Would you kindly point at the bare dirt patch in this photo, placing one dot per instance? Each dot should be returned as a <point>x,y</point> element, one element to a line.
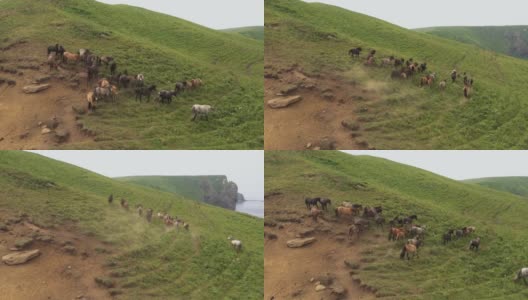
<point>327,100</point>
<point>66,268</point>
<point>21,113</point>
<point>293,273</point>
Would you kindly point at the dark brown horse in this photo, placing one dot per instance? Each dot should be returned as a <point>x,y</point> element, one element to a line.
<point>325,202</point>
<point>311,202</point>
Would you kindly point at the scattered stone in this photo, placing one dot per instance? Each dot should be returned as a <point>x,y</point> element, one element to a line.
<point>65,243</point>
<point>289,89</point>
<point>31,89</point>
<point>297,243</point>
<point>308,86</point>
<point>69,249</point>
<point>327,143</point>
<point>351,125</point>
<point>20,257</point>
<point>23,243</point>
<point>305,232</point>
<point>62,135</point>
<point>45,130</point>
<point>338,289</point>
<point>284,101</point>
<point>41,79</point>
<point>317,148</point>
<point>328,95</point>
<point>270,236</point>
<point>325,279</point>
<point>44,238</point>
<point>105,282</point>
<point>320,287</point>
<point>309,145</point>
<point>52,123</point>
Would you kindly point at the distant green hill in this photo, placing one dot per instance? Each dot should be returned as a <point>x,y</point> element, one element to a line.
<point>254,32</point>
<point>441,272</point>
<point>316,38</point>
<point>509,40</point>
<point>514,185</point>
<point>190,187</point>
<point>156,264</point>
<point>166,50</point>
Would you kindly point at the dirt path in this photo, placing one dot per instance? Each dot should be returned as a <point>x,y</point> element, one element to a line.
<point>55,274</point>
<point>327,101</point>
<point>20,113</point>
<point>288,272</point>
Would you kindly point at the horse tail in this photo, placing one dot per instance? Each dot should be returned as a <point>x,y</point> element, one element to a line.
<point>402,254</point>
<point>336,212</point>
<point>390,235</point>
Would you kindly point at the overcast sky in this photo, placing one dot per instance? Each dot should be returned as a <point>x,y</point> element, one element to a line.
<point>420,13</point>
<point>460,164</point>
<point>246,168</point>
<point>217,14</point>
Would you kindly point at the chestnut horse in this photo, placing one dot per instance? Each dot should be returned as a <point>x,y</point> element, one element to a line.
<point>347,211</point>
<point>409,249</point>
<point>396,233</point>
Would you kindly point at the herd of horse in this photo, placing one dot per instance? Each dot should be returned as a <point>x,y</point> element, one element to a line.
<point>401,227</point>
<point>168,220</point>
<point>107,87</point>
<point>404,69</point>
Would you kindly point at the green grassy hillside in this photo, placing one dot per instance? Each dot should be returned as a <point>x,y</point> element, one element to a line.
<point>514,185</point>
<point>254,32</point>
<point>441,272</point>
<point>317,38</point>
<point>509,40</point>
<point>199,264</point>
<point>164,48</point>
<point>186,186</point>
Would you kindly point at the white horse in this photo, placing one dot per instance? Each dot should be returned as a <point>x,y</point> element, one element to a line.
<point>237,245</point>
<point>201,110</point>
<point>523,273</point>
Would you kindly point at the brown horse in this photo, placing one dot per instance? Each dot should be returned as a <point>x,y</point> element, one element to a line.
<point>467,91</point>
<point>71,57</point>
<point>409,249</point>
<point>124,204</point>
<point>347,211</point>
<point>315,212</point>
<point>104,83</point>
<point>396,233</point>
